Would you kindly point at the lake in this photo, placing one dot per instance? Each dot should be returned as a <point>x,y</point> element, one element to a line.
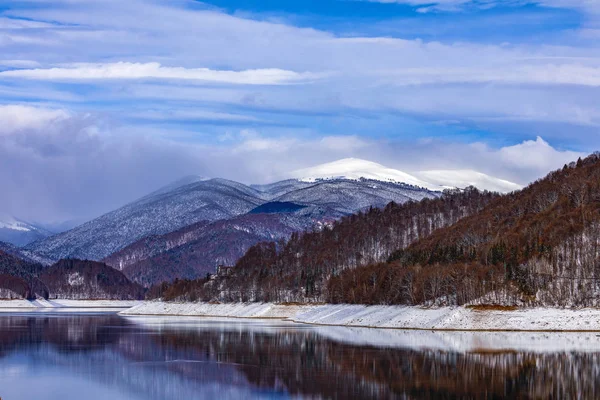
<point>58,356</point>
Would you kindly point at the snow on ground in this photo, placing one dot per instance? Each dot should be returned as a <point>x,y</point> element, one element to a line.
<point>232,310</point>
<point>444,318</point>
<point>15,304</point>
<point>59,304</point>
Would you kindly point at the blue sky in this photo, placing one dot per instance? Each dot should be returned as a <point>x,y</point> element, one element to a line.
<point>102,102</point>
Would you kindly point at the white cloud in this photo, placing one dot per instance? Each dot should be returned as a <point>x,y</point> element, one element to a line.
<point>536,155</point>
<point>126,70</point>
<point>462,81</point>
<point>59,164</point>
<point>343,143</point>
<point>18,118</point>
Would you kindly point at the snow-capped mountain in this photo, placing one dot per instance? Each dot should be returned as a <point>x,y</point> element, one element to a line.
<point>464,178</point>
<point>436,180</point>
<point>18,232</point>
<point>354,169</point>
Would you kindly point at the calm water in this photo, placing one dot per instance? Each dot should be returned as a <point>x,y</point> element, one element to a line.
<point>104,356</point>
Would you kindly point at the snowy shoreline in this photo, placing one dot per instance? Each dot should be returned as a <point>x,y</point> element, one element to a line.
<point>390,317</point>
<point>65,305</point>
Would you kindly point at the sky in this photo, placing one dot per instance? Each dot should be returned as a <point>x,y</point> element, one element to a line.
<point>102,102</point>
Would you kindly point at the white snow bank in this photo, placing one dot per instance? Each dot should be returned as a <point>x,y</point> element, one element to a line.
<point>445,318</point>
<point>231,310</point>
<point>41,304</point>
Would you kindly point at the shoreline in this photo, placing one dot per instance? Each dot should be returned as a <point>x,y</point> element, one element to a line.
<point>9,306</point>
<point>459,319</point>
<point>387,317</point>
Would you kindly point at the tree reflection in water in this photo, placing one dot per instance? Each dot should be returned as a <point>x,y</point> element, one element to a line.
<point>282,359</point>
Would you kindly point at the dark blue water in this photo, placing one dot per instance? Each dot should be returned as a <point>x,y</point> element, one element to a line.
<point>105,356</point>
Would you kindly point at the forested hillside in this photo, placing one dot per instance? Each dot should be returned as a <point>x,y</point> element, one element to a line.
<point>88,280</point>
<point>539,246</point>
<point>299,269</point>
<point>18,278</point>
<point>67,279</point>
<point>196,250</point>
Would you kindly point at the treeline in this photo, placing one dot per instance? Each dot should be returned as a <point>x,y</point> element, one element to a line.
<point>298,270</point>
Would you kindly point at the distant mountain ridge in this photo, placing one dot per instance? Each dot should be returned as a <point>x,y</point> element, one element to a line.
<point>20,233</point>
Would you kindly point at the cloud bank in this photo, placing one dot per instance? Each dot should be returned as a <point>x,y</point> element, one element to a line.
<point>60,165</point>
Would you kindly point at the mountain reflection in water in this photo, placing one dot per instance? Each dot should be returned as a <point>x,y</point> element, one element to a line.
<point>56,356</point>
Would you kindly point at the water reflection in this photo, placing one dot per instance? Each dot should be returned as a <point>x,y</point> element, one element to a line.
<point>153,358</point>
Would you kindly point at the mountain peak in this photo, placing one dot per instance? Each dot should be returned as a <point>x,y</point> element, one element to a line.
<point>356,168</point>
<point>436,180</point>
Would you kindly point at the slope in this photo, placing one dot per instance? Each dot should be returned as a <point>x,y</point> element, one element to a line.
<point>539,246</point>
<point>158,213</point>
<point>466,178</point>
<point>218,243</point>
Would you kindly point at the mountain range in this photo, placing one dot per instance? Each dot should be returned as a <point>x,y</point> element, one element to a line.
<point>539,246</point>
<point>186,229</point>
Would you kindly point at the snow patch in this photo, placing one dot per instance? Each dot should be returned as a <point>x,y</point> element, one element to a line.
<point>75,279</point>
<point>8,222</point>
<point>356,169</point>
